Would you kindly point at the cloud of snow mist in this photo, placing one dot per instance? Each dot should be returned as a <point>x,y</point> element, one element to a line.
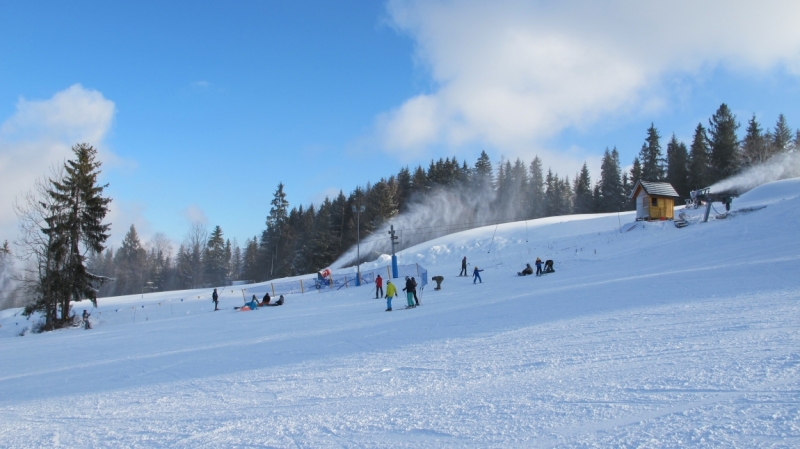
<point>443,212</point>
<point>781,166</point>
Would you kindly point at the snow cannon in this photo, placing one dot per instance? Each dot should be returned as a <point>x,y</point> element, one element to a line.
<point>706,196</point>
<point>324,277</point>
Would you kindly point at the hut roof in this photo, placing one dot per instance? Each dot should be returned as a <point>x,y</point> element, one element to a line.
<point>655,189</point>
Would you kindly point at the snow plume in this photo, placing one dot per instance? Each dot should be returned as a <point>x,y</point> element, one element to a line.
<point>781,166</point>
<point>441,212</point>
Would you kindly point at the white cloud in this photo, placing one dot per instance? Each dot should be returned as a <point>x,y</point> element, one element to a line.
<point>511,74</point>
<point>41,134</point>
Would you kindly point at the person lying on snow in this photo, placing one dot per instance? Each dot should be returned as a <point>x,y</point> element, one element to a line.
<point>528,270</point>
<point>279,302</point>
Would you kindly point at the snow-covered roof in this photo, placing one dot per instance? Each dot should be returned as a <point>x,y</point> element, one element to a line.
<point>655,189</point>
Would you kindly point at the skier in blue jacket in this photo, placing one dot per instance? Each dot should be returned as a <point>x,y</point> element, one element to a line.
<point>476,275</point>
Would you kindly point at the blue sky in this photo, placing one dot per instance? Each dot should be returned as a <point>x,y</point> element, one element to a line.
<point>200,109</point>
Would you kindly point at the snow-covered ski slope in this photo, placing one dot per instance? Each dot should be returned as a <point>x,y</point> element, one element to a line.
<point>649,337</point>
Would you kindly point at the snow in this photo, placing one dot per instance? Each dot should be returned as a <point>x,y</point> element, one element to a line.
<point>648,337</point>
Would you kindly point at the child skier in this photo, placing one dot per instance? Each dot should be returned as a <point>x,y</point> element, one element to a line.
<point>476,275</point>
<point>538,266</point>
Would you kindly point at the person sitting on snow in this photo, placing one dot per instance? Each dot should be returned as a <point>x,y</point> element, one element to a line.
<point>265,300</point>
<point>528,270</point>
<point>253,304</point>
<point>279,302</point>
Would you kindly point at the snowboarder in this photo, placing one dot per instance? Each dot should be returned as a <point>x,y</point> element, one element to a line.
<point>266,299</point>
<point>476,275</point>
<point>548,266</point>
<point>215,298</point>
<point>391,291</point>
<point>463,271</point>
<point>378,287</point>
<point>438,280</point>
<point>86,324</point>
<point>538,266</point>
<point>528,270</point>
<point>409,293</point>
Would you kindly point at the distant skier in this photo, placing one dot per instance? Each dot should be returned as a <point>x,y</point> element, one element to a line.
<point>86,324</point>
<point>378,287</point>
<point>438,280</point>
<point>409,293</point>
<point>391,292</point>
<point>414,289</point>
<point>528,270</point>
<point>476,275</point>
<point>463,267</point>
<point>215,298</point>
<point>538,266</point>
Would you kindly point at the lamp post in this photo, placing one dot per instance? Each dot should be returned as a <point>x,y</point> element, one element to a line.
<point>358,210</point>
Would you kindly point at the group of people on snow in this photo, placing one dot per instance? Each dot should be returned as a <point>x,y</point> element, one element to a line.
<point>548,268</point>
<point>410,289</point>
<point>253,304</point>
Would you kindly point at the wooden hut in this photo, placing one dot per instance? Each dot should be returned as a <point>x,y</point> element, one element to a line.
<point>654,200</point>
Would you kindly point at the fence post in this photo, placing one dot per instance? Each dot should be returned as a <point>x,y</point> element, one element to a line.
<point>302,291</point>
<point>417,269</point>
<point>273,288</point>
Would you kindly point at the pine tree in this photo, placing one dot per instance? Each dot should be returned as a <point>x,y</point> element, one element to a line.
<point>724,144</point>
<point>216,260</point>
<point>678,166</point>
<point>612,195</point>
<point>236,261</point>
<point>130,262</point>
<point>74,229</point>
<point>482,175</point>
<point>536,190</point>
<point>651,157</point>
<point>755,146</point>
<point>781,136</point>
<point>583,203</point>
<point>698,159</point>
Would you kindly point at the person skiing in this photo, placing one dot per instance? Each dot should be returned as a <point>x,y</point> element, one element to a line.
<point>215,298</point>
<point>538,266</point>
<point>86,324</point>
<point>528,270</point>
<point>391,291</point>
<point>378,287</point>
<point>409,294</point>
<point>476,275</point>
<point>463,271</point>
<point>414,289</point>
<point>266,299</point>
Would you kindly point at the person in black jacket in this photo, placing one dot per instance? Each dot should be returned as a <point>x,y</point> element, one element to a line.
<point>414,289</point>
<point>463,267</point>
<point>215,298</point>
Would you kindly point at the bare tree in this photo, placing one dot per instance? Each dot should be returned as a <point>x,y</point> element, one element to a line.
<point>195,242</point>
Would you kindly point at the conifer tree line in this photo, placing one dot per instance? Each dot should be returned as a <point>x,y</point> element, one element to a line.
<point>301,239</point>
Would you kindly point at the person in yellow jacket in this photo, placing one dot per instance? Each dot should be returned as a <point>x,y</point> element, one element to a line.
<point>391,291</point>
